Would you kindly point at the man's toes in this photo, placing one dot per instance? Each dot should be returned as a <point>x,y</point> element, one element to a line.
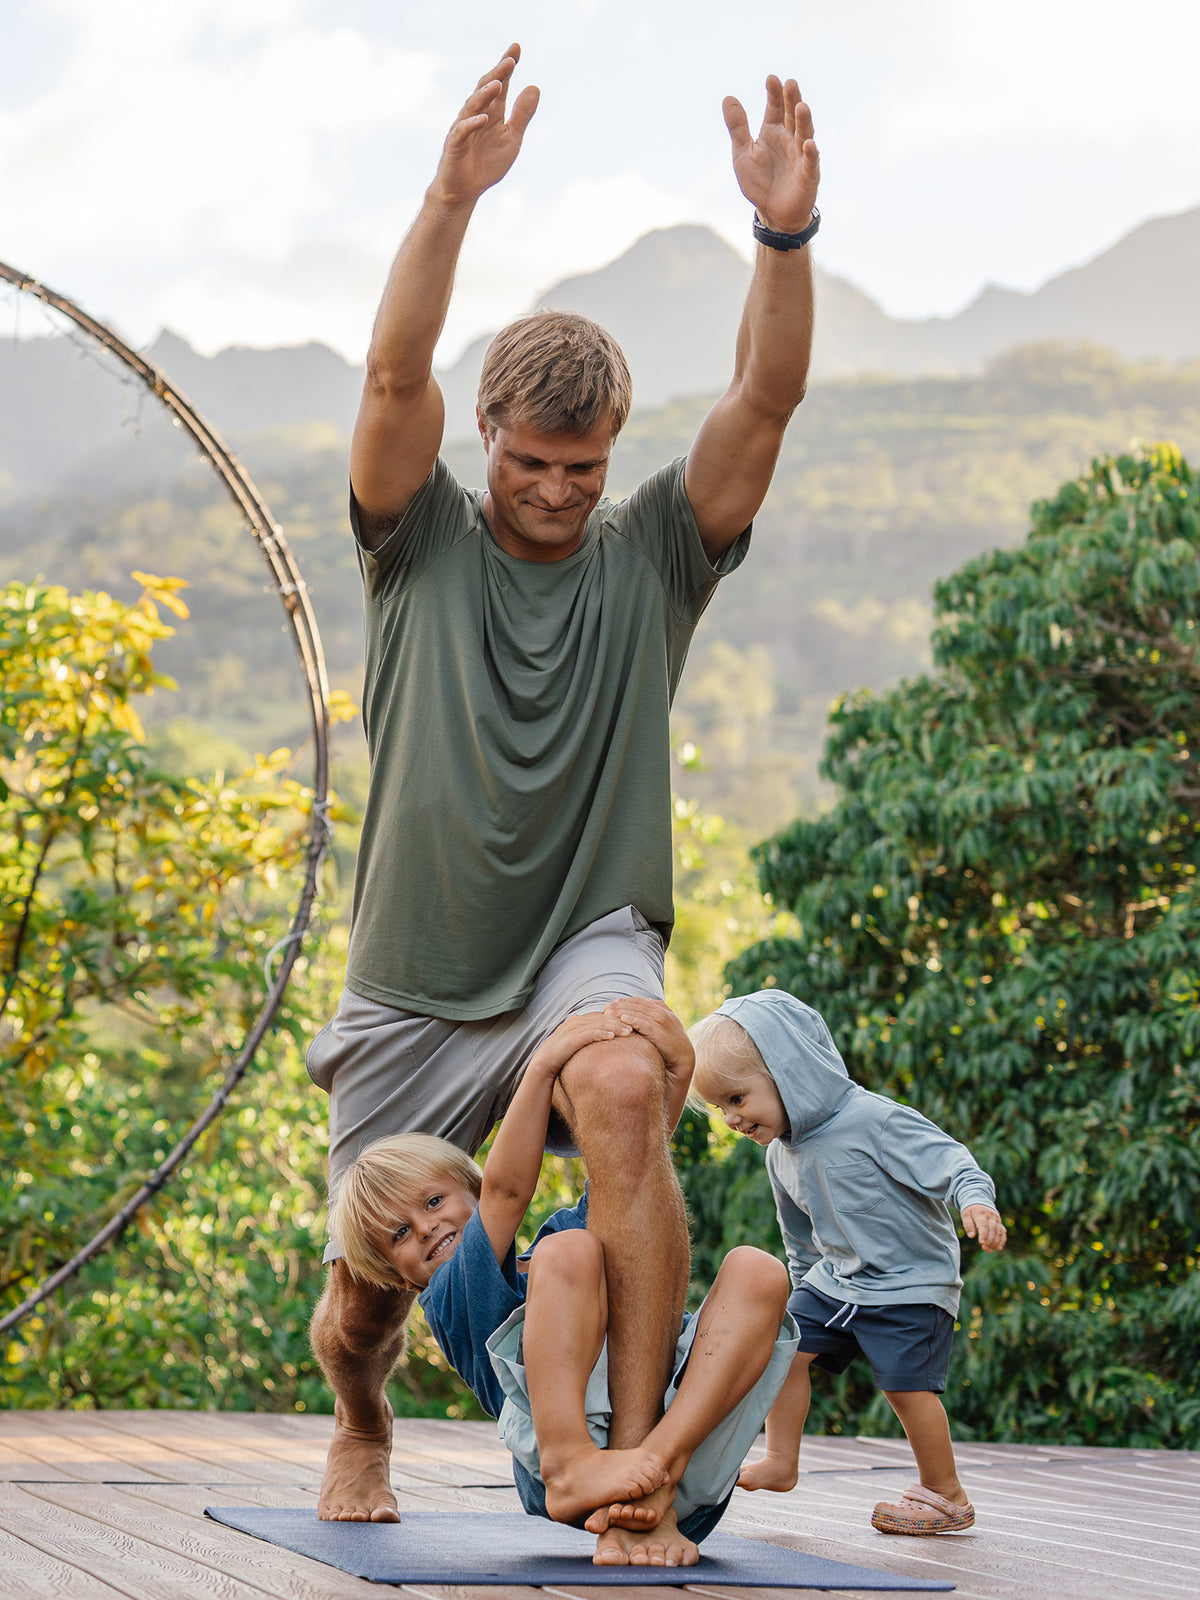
<point>385,1514</point>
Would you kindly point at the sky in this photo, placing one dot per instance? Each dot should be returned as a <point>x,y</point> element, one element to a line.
<point>241,171</point>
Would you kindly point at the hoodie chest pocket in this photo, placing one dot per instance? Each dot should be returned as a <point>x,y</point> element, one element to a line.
<point>855,1186</point>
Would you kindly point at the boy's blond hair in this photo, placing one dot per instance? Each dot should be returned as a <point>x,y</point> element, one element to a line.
<point>388,1174</point>
<point>557,372</point>
<point>725,1054</point>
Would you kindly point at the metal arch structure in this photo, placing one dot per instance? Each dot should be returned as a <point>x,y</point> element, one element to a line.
<point>290,586</point>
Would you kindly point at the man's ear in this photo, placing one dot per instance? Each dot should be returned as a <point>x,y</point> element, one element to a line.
<point>484,431</point>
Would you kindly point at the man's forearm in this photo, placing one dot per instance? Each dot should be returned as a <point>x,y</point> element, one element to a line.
<point>774,345</point>
<point>416,297</point>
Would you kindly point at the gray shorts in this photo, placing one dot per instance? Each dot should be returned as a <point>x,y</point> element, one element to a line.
<point>389,1071</point>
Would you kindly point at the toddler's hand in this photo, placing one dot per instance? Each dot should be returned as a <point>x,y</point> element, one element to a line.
<point>984,1223</point>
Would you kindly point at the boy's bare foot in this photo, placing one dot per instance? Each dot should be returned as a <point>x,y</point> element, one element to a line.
<point>663,1546</point>
<point>579,1481</point>
<point>772,1472</point>
<point>638,1516</point>
<point>356,1486</point>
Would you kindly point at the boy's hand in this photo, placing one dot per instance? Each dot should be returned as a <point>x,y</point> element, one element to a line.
<point>983,1223</point>
<point>658,1023</point>
<point>571,1036</point>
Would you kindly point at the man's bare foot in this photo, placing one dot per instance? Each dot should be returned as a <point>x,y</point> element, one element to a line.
<point>663,1546</point>
<point>772,1472</point>
<point>579,1481</point>
<point>357,1486</point>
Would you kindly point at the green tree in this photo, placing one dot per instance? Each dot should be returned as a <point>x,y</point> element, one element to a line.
<point>1000,920</point>
<point>138,907</point>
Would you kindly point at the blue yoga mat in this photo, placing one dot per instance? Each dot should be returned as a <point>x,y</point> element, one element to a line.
<point>464,1547</point>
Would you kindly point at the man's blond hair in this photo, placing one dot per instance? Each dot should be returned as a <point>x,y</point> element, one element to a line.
<point>389,1174</point>
<point>557,372</point>
<point>725,1056</point>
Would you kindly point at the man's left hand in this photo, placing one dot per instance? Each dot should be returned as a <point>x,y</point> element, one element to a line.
<point>779,171</point>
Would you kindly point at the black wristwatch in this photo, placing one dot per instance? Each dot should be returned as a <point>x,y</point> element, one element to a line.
<point>786,241</point>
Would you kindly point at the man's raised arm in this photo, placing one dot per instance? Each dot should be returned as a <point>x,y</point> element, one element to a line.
<point>731,461</point>
<point>400,418</point>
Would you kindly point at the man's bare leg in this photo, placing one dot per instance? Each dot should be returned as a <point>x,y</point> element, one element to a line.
<point>358,1337</point>
<point>612,1095</point>
<point>565,1320</point>
<point>739,1324</point>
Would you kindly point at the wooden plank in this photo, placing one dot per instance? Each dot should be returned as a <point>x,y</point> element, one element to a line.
<point>211,1545</point>
<point>135,1568</point>
<point>216,1444</point>
<point>68,1442</point>
<point>33,1574</point>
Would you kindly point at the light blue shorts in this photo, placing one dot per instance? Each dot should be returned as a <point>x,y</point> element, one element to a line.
<point>713,1469</point>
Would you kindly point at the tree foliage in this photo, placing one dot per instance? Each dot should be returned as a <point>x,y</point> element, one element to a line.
<point>1000,919</point>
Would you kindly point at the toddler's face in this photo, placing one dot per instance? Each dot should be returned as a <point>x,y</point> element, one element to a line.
<point>752,1106</point>
<point>428,1230</point>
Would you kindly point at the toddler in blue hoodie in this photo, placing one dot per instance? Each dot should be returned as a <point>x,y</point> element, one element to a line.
<point>862,1188</point>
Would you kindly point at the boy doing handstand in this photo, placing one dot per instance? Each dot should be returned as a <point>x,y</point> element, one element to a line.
<point>861,1185</point>
<point>415,1212</point>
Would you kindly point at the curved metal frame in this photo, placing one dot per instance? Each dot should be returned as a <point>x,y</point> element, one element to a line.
<point>292,590</point>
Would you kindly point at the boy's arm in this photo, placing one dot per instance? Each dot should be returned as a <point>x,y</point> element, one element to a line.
<point>984,1223</point>
<point>514,1164</point>
<point>658,1023</point>
<point>795,1227</point>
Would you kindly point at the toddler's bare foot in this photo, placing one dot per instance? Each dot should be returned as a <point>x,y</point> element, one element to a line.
<point>772,1472</point>
<point>663,1546</point>
<point>580,1480</point>
<point>357,1486</point>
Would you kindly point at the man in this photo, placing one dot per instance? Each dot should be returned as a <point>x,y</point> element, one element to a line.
<point>522,649</point>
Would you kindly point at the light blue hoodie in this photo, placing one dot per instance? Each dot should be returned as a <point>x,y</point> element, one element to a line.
<point>861,1182</point>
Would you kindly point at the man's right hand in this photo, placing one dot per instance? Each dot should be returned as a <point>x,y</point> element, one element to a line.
<point>482,145</point>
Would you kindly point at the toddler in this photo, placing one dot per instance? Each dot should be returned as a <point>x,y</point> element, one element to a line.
<point>861,1186</point>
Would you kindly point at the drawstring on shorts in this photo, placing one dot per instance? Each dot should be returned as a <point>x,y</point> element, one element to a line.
<point>843,1316</point>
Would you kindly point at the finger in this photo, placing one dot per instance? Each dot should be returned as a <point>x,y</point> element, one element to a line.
<point>504,67</point>
<point>523,108</point>
<point>791,99</point>
<point>738,124</point>
<point>774,108</point>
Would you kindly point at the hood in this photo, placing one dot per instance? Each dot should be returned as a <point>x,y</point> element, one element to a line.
<point>799,1053</point>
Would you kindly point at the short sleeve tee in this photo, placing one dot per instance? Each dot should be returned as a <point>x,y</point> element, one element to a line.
<point>516,716</point>
<point>472,1294</point>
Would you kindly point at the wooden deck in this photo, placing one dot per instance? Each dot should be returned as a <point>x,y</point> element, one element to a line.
<point>95,1505</point>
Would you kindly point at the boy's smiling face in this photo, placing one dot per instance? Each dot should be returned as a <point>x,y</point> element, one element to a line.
<point>752,1106</point>
<point>428,1230</point>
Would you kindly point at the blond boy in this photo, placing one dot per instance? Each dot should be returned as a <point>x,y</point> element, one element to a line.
<point>415,1212</point>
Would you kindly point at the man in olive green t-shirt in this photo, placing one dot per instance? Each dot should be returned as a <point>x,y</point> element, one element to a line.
<point>523,645</point>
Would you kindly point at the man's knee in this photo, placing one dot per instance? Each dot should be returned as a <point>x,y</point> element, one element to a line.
<point>622,1079</point>
<point>356,1316</point>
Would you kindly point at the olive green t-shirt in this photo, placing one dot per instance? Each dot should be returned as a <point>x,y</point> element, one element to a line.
<point>516,715</point>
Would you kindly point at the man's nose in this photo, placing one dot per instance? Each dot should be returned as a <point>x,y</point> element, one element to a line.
<point>555,489</point>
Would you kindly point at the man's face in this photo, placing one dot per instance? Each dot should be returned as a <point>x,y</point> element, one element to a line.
<point>428,1230</point>
<point>542,487</point>
<point>753,1107</point>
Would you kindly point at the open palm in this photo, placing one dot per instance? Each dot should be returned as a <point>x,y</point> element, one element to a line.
<point>779,171</point>
<point>482,145</point>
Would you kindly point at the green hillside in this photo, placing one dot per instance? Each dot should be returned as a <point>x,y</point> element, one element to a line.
<point>884,485</point>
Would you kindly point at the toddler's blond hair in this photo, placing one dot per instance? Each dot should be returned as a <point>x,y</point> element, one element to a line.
<point>725,1055</point>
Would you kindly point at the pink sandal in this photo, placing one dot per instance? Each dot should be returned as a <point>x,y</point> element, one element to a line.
<point>911,1517</point>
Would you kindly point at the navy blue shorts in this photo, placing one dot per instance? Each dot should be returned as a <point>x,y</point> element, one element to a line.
<point>908,1346</point>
